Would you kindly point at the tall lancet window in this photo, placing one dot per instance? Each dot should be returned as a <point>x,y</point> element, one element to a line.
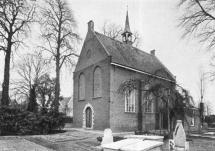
<point>81,87</point>
<point>97,82</point>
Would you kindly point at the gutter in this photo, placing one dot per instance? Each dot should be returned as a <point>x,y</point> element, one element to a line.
<point>139,71</point>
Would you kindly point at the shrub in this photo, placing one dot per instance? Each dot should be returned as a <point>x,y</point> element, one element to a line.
<point>14,121</point>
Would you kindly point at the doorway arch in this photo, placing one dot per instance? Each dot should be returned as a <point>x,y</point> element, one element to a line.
<point>88,116</point>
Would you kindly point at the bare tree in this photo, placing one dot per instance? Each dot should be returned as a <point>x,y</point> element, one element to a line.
<point>45,92</point>
<point>198,20</point>
<point>15,18</point>
<point>30,69</point>
<point>114,31</point>
<point>58,31</point>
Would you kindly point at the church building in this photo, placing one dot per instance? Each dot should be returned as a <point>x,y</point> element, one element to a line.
<point>104,64</point>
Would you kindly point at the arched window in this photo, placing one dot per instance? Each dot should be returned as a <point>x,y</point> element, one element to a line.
<point>149,104</point>
<point>97,82</point>
<point>81,87</point>
<point>130,101</point>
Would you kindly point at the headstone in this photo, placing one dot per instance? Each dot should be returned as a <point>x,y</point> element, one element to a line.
<point>179,135</point>
<point>108,137</point>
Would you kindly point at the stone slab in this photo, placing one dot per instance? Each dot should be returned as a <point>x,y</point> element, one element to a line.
<point>146,145</point>
<point>117,145</point>
<point>145,137</point>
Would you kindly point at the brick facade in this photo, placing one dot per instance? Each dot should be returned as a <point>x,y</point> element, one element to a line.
<point>108,111</point>
<point>91,57</point>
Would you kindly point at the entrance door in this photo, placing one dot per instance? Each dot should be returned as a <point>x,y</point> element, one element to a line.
<point>88,117</point>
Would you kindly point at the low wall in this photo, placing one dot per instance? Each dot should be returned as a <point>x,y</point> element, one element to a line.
<point>202,143</point>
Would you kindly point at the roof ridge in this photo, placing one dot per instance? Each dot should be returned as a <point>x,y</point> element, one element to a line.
<point>124,44</point>
<point>131,56</point>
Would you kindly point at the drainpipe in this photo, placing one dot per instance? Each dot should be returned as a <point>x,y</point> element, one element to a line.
<point>140,113</point>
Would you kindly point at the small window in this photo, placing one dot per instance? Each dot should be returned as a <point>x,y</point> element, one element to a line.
<point>149,104</point>
<point>130,101</point>
<point>81,87</point>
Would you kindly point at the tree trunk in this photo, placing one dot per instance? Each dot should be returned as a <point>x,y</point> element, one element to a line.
<point>5,87</point>
<point>57,84</point>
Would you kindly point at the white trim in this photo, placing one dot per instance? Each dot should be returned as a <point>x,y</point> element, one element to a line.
<point>102,44</point>
<point>146,73</point>
<point>84,116</point>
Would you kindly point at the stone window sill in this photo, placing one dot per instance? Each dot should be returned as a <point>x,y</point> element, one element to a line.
<point>98,97</point>
<point>130,112</point>
<point>81,100</point>
<point>149,112</point>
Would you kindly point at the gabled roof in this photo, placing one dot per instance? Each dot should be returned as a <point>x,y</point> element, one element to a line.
<point>129,56</point>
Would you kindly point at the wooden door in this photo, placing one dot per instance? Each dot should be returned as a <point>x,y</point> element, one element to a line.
<point>88,117</point>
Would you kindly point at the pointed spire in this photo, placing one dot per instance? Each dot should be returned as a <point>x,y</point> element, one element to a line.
<point>127,34</point>
<point>127,26</point>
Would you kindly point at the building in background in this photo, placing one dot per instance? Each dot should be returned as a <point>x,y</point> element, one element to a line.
<point>66,106</point>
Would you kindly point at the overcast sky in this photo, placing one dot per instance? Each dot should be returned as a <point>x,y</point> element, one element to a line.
<point>156,21</point>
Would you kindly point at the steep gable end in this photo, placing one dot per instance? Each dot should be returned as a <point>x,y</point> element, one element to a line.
<point>92,51</point>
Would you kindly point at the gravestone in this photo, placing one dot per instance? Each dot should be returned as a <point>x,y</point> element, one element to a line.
<point>108,137</point>
<point>179,138</point>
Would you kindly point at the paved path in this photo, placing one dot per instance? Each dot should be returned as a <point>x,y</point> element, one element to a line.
<point>72,140</point>
<point>19,144</point>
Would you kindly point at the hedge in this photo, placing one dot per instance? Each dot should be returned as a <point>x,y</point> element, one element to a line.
<point>14,121</point>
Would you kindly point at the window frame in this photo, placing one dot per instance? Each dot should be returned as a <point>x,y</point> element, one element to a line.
<point>130,101</point>
<point>100,84</point>
<point>149,101</point>
<point>83,87</point>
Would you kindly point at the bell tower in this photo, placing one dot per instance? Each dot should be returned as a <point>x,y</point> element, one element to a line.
<point>127,34</point>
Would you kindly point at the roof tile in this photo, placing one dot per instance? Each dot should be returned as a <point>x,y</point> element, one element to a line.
<point>127,55</point>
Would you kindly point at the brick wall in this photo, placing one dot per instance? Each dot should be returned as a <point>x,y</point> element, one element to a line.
<point>101,104</point>
<point>149,121</point>
<point>92,55</point>
<point>119,120</point>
